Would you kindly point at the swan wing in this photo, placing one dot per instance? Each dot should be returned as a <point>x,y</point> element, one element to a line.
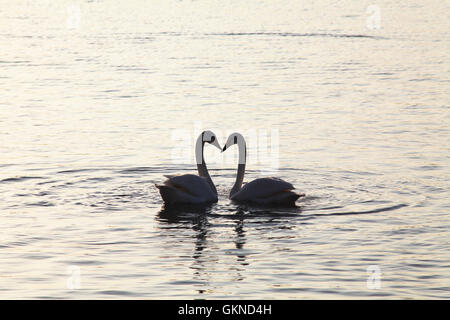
<point>283,198</point>
<point>186,188</point>
<point>190,183</point>
<point>262,188</point>
<point>172,195</point>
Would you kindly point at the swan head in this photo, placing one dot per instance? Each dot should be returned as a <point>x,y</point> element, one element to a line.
<point>210,137</point>
<point>234,138</point>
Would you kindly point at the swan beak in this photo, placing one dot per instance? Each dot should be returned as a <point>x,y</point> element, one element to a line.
<point>224,148</point>
<point>216,144</point>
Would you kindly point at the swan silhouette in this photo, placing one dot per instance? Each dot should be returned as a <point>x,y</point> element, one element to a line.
<point>262,191</point>
<point>190,188</point>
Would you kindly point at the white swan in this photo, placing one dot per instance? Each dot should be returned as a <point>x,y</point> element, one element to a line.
<point>262,191</point>
<point>190,188</point>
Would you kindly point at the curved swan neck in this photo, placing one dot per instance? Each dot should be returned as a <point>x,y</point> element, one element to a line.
<point>201,165</point>
<point>241,166</point>
<point>239,179</point>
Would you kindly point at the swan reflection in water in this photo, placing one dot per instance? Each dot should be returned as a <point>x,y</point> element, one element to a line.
<point>207,249</point>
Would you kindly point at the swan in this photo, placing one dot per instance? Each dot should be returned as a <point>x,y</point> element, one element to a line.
<point>190,188</point>
<point>262,191</point>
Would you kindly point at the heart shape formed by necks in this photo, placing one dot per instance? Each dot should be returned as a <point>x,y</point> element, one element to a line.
<point>193,189</point>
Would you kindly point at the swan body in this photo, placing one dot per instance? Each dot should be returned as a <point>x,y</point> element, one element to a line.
<point>266,191</point>
<point>190,188</point>
<point>262,191</point>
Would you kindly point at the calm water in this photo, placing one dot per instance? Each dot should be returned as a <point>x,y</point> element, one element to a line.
<point>100,99</point>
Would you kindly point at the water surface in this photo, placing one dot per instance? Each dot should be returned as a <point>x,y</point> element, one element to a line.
<point>100,99</point>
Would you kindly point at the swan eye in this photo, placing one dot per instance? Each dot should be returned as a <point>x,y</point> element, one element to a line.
<point>212,139</point>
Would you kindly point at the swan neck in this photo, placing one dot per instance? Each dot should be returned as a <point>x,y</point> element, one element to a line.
<point>201,165</point>
<point>199,150</point>
<point>241,166</point>
<point>239,179</point>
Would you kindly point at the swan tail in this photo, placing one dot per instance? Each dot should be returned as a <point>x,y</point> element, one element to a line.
<point>287,198</point>
<point>168,194</point>
<point>300,194</point>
